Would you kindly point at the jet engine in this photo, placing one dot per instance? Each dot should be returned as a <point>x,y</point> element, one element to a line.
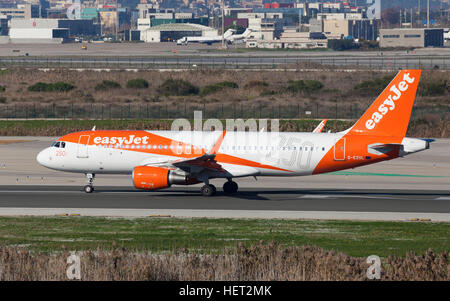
<point>152,178</point>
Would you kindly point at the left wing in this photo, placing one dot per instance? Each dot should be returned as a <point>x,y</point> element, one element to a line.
<point>204,162</point>
<point>198,164</point>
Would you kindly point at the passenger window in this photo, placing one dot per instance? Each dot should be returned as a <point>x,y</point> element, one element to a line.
<point>63,145</point>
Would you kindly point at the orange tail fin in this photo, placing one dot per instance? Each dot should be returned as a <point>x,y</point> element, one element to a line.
<point>389,114</point>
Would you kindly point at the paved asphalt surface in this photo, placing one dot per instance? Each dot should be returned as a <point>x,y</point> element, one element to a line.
<point>247,199</point>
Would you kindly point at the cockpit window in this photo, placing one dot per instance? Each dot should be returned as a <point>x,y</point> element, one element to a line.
<point>58,144</point>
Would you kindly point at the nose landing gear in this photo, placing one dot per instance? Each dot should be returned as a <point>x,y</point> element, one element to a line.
<point>89,188</point>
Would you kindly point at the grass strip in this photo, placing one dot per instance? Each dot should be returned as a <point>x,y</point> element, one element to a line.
<point>204,235</point>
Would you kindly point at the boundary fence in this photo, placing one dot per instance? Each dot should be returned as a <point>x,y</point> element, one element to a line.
<point>185,110</point>
<point>380,62</point>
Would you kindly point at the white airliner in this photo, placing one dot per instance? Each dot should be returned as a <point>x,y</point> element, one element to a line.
<point>159,159</point>
<point>206,39</point>
<point>240,37</point>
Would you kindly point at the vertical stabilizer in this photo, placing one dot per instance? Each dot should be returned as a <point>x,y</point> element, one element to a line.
<point>390,113</point>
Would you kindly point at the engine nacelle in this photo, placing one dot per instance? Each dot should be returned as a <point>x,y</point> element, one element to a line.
<point>152,178</point>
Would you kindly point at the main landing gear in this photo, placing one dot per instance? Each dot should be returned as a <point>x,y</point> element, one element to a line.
<point>89,188</point>
<point>229,187</point>
<point>208,190</point>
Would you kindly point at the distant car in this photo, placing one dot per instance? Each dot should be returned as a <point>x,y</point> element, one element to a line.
<point>84,47</point>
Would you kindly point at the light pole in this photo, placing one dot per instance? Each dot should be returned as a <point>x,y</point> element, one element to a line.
<point>117,21</point>
<point>223,24</point>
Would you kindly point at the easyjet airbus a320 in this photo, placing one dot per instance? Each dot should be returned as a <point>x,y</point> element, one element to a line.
<point>159,159</point>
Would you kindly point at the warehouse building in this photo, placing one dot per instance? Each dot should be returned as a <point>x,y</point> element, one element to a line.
<point>37,31</point>
<point>412,37</point>
<point>357,29</point>
<point>174,31</point>
<point>50,30</point>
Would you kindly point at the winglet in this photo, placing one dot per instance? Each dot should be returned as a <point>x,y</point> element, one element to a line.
<point>320,127</point>
<point>217,145</point>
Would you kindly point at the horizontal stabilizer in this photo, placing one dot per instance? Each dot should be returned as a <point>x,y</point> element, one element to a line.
<point>384,148</point>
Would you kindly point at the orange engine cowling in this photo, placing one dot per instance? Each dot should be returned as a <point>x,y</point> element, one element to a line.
<point>152,178</point>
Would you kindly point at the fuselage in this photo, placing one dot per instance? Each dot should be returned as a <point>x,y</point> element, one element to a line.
<point>158,159</point>
<point>240,153</point>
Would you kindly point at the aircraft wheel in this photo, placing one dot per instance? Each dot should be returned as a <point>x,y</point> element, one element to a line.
<point>88,188</point>
<point>208,190</point>
<point>230,187</point>
<point>214,188</point>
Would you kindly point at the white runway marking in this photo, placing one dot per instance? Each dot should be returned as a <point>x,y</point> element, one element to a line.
<point>314,196</point>
<point>319,196</point>
<point>66,191</point>
<point>368,196</point>
<point>446,198</point>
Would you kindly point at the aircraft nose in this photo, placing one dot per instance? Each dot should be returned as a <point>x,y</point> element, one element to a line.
<point>41,158</point>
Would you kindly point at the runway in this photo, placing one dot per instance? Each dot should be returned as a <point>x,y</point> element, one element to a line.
<point>249,203</point>
<point>417,186</point>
